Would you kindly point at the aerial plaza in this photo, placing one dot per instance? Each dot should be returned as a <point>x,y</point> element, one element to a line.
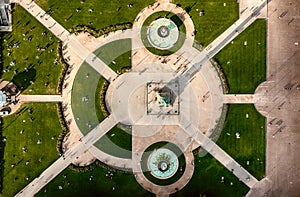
<point>172,101</point>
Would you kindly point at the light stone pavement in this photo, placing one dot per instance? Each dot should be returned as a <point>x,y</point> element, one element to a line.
<point>221,41</point>
<point>279,100</point>
<point>218,153</point>
<point>83,52</point>
<point>239,98</point>
<point>66,37</point>
<point>39,98</point>
<point>248,4</point>
<point>59,165</point>
<point>75,61</point>
<point>138,48</point>
<point>173,134</point>
<point>75,134</point>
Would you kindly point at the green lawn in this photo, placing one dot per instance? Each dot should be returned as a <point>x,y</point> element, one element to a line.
<point>116,142</point>
<point>80,185</point>
<point>104,14</point>
<point>85,88</point>
<point>87,82</point>
<point>245,66</point>
<point>251,145</point>
<point>206,180</point>
<point>44,126</point>
<point>217,17</point>
<point>30,64</point>
<point>116,54</point>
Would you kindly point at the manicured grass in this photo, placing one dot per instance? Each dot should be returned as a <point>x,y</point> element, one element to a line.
<point>39,64</point>
<point>206,180</point>
<point>176,20</point>
<point>217,17</point>
<point>245,65</point>
<point>80,185</point>
<point>85,87</point>
<point>251,145</point>
<point>105,13</point>
<point>116,54</point>
<point>116,142</point>
<point>44,126</point>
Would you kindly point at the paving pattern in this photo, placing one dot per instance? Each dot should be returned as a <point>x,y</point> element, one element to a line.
<point>279,100</point>
<point>186,65</point>
<point>66,159</point>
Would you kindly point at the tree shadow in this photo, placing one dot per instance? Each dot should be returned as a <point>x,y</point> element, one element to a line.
<point>188,9</point>
<point>24,79</point>
<point>177,20</point>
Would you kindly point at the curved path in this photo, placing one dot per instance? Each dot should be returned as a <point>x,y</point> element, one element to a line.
<point>185,71</point>
<point>173,134</point>
<point>62,34</point>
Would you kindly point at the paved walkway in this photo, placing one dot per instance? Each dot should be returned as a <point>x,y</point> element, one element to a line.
<point>249,16</point>
<point>279,100</point>
<point>39,98</point>
<point>62,34</point>
<point>59,165</point>
<point>170,133</point>
<point>187,69</point>
<point>248,4</point>
<point>218,153</point>
<point>109,159</point>
<point>139,50</point>
<point>239,98</point>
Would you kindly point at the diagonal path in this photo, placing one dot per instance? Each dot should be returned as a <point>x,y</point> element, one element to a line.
<point>218,153</point>
<point>66,159</point>
<point>198,60</point>
<point>220,42</point>
<point>87,141</point>
<point>61,33</point>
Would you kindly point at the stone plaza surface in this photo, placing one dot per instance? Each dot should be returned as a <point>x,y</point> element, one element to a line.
<point>196,106</point>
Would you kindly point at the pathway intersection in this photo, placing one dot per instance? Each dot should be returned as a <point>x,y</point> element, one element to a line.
<point>200,96</point>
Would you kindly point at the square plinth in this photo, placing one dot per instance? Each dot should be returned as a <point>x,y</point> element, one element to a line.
<point>163,98</point>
